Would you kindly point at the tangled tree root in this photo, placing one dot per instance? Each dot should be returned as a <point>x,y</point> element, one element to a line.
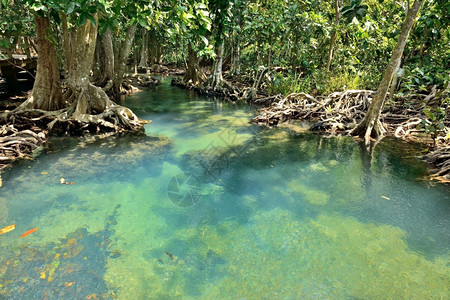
<point>226,90</point>
<point>340,112</point>
<point>440,159</point>
<point>16,143</point>
<point>336,112</point>
<point>114,118</point>
<point>22,131</point>
<point>134,82</point>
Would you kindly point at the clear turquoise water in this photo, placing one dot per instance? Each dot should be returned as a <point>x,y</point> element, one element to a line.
<point>208,206</point>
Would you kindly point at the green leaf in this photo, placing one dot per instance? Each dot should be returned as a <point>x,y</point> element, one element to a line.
<point>205,40</point>
<point>92,9</point>
<point>70,8</point>
<point>81,19</point>
<point>91,18</point>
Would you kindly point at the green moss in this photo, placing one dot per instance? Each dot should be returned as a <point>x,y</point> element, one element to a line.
<point>329,257</point>
<point>309,194</point>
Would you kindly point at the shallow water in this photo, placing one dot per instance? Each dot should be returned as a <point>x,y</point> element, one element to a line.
<point>208,206</point>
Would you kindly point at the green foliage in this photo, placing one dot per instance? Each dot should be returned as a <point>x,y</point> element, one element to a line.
<point>354,10</point>
<point>435,117</point>
<point>320,82</point>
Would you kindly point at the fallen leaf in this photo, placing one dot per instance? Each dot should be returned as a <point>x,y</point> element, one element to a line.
<point>42,275</point>
<point>7,229</point>
<point>384,197</point>
<point>44,173</point>
<point>69,284</point>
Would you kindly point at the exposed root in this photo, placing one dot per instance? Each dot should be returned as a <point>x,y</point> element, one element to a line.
<point>340,112</point>
<point>335,112</point>
<point>133,82</point>
<point>226,90</point>
<point>15,143</point>
<point>440,159</point>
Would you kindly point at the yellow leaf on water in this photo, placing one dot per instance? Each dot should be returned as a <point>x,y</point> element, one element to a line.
<point>384,197</point>
<point>44,173</point>
<point>42,275</point>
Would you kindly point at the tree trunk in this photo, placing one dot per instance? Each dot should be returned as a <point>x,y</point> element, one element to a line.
<point>236,51</point>
<point>236,58</point>
<point>144,50</point>
<point>97,69</point>
<point>217,78</point>
<point>193,72</point>
<point>152,53</point>
<point>371,126</point>
<point>85,97</point>
<point>394,81</point>
<point>122,51</point>
<point>105,61</point>
<point>46,94</point>
<point>337,19</point>
<point>89,107</point>
<point>108,54</point>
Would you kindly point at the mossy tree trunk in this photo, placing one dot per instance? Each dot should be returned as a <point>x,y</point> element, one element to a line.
<point>46,94</point>
<point>89,103</point>
<point>114,60</point>
<point>370,126</point>
<point>194,73</point>
<point>122,50</point>
<point>217,77</point>
<point>85,97</point>
<point>105,60</point>
<point>144,49</point>
<point>84,106</point>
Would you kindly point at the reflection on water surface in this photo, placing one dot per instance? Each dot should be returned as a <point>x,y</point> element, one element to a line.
<point>208,206</point>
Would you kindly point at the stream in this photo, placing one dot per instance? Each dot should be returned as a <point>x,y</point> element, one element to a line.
<point>206,205</point>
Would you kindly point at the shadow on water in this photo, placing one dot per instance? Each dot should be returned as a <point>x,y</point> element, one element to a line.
<point>72,268</point>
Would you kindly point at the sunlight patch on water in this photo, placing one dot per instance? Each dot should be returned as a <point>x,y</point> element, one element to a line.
<point>278,256</point>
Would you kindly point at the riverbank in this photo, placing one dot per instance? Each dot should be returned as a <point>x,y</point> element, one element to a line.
<point>21,136</point>
<point>338,113</point>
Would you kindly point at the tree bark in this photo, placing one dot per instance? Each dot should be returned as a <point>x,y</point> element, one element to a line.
<point>337,9</point>
<point>109,54</point>
<point>144,49</point>
<point>106,60</point>
<point>86,98</point>
<point>236,45</point>
<point>236,58</point>
<point>193,71</point>
<point>46,94</point>
<point>394,81</point>
<point>121,53</point>
<point>217,78</point>
<point>371,126</point>
<point>87,107</point>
